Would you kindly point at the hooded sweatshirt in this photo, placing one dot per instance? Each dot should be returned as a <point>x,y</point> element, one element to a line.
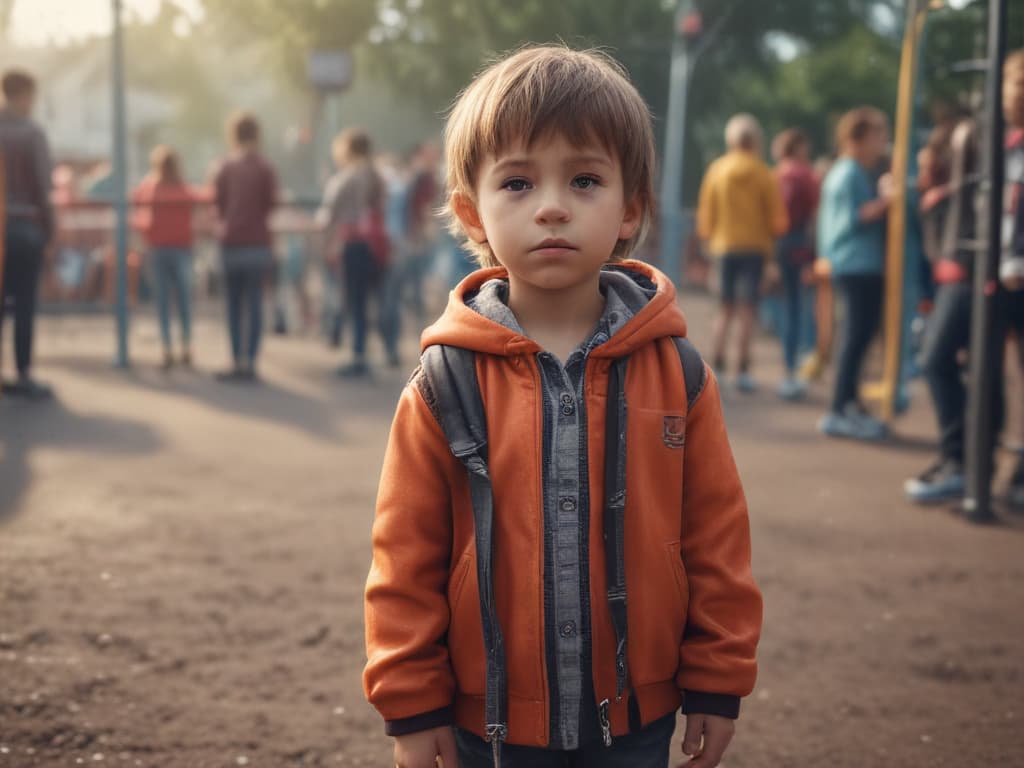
<point>694,612</point>
<point>740,208</point>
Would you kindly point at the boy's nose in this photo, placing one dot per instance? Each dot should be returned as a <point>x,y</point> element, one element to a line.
<point>552,210</point>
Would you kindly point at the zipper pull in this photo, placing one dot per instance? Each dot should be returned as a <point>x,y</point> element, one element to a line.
<point>496,734</point>
<point>606,728</point>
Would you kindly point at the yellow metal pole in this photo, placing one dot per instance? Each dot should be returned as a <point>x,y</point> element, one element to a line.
<point>897,227</point>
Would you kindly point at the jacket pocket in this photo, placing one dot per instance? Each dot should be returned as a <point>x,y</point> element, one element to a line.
<point>465,627</point>
<point>660,613</point>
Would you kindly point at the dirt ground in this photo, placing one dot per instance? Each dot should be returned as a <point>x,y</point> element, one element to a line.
<point>182,564</point>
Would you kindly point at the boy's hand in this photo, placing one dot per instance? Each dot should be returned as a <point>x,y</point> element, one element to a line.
<point>707,737</point>
<point>421,750</point>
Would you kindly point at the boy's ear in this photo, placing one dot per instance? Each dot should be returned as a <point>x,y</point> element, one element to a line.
<point>631,219</point>
<point>469,217</point>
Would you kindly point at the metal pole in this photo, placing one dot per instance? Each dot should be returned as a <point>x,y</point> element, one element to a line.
<point>986,342</point>
<point>120,202</point>
<point>670,204</point>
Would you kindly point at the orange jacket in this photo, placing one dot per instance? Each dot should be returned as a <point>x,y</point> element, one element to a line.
<point>694,611</point>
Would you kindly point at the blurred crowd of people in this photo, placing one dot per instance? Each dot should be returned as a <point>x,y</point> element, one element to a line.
<point>801,245</point>
<point>373,234</point>
<point>814,239</point>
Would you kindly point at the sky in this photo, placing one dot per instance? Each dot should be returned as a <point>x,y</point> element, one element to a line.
<point>39,22</point>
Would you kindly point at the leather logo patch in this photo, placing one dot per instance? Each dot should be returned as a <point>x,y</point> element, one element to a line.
<point>673,432</point>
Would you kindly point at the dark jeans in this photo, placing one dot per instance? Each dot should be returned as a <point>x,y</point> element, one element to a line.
<point>362,282</point>
<point>244,270</point>
<point>648,748</point>
<point>948,332</point>
<point>861,297</point>
<point>795,296</point>
<point>23,247</point>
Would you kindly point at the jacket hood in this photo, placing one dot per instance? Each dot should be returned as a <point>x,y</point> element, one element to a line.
<point>463,326</point>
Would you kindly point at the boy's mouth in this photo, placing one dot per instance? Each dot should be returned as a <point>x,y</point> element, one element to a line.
<point>554,244</point>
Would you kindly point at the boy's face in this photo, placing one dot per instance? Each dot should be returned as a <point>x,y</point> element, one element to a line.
<point>873,146</point>
<point>551,213</point>
<point>1013,97</point>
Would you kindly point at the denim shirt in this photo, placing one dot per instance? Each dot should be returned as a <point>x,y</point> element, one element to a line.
<point>567,505</point>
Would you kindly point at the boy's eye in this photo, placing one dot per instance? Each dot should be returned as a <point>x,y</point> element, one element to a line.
<point>515,185</point>
<point>586,182</point>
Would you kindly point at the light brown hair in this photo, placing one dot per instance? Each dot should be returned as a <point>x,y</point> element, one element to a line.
<point>243,128</point>
<point>16,83</point>
<point>351,144</point>
<point>743,131</point>
<point>543,91</point>
<point>857,124</point>
<point>163,161</point>
<point>788,143</point>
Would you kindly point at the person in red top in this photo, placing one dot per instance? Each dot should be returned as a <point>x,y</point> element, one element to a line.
<point>245,193</point>
<point>163,215</point>
<point>799,188</point>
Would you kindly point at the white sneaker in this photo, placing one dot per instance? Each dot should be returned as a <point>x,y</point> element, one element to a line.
<point>792,389</point>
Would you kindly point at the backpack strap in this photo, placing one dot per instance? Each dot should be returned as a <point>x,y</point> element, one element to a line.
<point>695,375</point>
<point>450,387</point>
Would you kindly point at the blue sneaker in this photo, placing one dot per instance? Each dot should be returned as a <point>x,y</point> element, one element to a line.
<point>943,481</point>
<point>852,424</point>
<point>746,384</point>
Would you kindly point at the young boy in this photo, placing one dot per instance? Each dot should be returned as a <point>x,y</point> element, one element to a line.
<point>851,237</point>
<point>550,159</point>
<point>739,214</point>
<point>29,220</point>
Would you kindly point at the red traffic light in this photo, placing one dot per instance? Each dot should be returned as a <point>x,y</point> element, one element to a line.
<point>691,25</point>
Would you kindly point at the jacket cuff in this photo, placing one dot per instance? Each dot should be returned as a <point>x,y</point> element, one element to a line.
<point>720,704</point>
<point>424,722</point>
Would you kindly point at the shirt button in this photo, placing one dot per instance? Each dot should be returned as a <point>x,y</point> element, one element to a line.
<point>568,504</point>
<point>568,404</point>
<point>613,318</point>
<point>568,629</point>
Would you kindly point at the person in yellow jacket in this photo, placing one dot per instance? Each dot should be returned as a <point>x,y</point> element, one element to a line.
<point>739,215</point>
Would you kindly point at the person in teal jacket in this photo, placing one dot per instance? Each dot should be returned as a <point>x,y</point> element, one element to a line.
<point>851,236</point>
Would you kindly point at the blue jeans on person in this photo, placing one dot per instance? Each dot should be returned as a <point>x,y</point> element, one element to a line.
<point>797,332</point>
<point>24,242</point>
<point>647,748</point>
<point>172,273</point>
<point>861,297</point>
<point>361,276</point>
<point>244,270</point>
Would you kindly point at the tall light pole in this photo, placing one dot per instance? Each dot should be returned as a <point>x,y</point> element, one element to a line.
<point>120,173</point>
<point>670,204</point>
<point>985,351</point>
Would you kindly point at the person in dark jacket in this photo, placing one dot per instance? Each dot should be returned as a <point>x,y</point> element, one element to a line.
<point>29,221</point>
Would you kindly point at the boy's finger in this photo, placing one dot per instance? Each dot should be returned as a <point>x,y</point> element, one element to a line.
<point>694,731</point>
<point>715,742</point>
